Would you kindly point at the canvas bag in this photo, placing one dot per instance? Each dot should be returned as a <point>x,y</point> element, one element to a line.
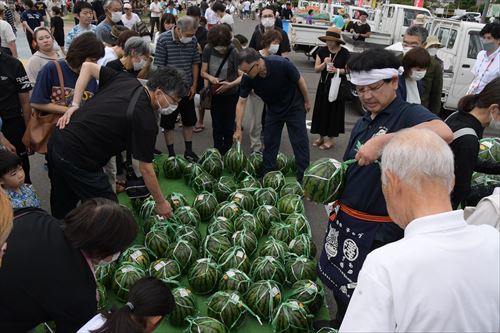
<point>333,93</point>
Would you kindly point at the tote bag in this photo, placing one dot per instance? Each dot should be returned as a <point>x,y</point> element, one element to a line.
<point>334,87</point>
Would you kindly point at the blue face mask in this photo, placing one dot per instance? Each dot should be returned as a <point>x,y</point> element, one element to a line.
<point>489,46</point>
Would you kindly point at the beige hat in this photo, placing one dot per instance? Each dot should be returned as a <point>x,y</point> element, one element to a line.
<point>432,41</point>
<point>2,6</point>
<point>420,19</point>
<point>127,6</point>
<point>333,33</point>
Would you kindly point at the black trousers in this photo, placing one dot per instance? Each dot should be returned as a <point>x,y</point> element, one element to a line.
<point>223,111</point>
<point>13,129</point>
<point>71,184</point>
<point>154,21</point>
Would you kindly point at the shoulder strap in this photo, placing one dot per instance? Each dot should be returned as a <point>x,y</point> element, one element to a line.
<point>60,75</point>
<point>130,113</point>
<point>229,50</point>
<point>20,212</point>
<point>464,131</point>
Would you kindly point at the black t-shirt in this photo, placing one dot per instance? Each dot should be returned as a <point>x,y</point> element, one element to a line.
<point>43,278</point>
<point>118,66</point>
<point>13,80</point>
<point>339,60</point>
<point>98,8</point>
<point>201,36</point>
<point>57,23</point>
<point>256,41</point>
<point>361,29</point>
<point>287,14</point>
<point>100,128</point>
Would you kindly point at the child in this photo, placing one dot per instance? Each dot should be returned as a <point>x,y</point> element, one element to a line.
<point>309,18</point>
<point>12,181</point>
<point>57,26</point>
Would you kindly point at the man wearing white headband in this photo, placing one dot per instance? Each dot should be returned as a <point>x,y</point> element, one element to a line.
<point>359,221</point>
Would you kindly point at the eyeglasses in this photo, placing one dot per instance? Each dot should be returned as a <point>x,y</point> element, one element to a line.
<point>176,101</point>
<point>367,89</point>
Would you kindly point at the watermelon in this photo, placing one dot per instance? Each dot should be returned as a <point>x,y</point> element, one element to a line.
<point>235,160</point>
<point>235,258</point>
<point>266,196</point>
<point>292,188</point>
<point>192,171</point>
<point>481,179</point>
<point>205,325</point>
<point>268,268</point>
<point>274,179</point>
<point>203,183</point>
<point>227,307</point>
<point>291,316</point>
<point>168,226</point>
<point>222,225</point>
<point>274,248</point>
<point>136,204</point>
<point>184,307</point>
<point>224,187</point>
<point>153,220</point>
<point>289,204</point>
<point>183,252</point>
<point>299,222</point>
<point>125,277</point>
<point>203,276</point>
<point>247,221</point>
<point>216,244</point>
<point>324,180</point>
<point>213,166</point>
<point>138,255</point>
<point>103,297</point>
<point>229,210</point>
<point>148,208</point>
<point>176,200</point>
<point>104,273</point>
<point>256,159</point>
<point>282,163</point>
<point>246,239</point>
<point>300,268</point>
<point>327,330</point>
<point>236,280</point>
<point>489,149</point>
<point>242,198</point>
<point>291,165</point>
<point>190,234</point>
<point>210,153</point>
<point>157,165</point>
<point>303,245</point>
<point>188,215</point>
<point>205,203</point>
<point>308,293</point>
<point>263,297</point>
<point>172,168</point>
<point>250,181</point>
<point>167,270</point>
<point>157,241</point>
<point>266,215</point>
<point>282,232</point>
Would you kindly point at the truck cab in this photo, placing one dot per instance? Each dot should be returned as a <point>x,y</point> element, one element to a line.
<point>395,19</point>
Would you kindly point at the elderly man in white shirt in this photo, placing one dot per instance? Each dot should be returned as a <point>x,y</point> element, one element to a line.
<point>444,275</point>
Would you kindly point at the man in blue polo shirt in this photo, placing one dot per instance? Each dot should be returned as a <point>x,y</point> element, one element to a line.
<point>359,221</point>
<point>278,82</point>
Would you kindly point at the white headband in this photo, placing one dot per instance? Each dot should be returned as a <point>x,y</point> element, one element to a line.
<point>365,78</point>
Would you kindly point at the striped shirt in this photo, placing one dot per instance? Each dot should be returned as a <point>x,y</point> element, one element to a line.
<point>172,52</point>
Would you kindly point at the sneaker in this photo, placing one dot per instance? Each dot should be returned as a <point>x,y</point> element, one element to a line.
<point>191,157</point>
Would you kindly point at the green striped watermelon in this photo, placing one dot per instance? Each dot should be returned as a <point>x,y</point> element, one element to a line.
<point>236,280</point>
<point>291,165</point>
<point>167,270</point>
<point>147,208</point>
<point>137,254</point>
<point>291,316</point>
<point>213,166</point>
<point>266,215</point>
<point>103,297</point>
<point>176,200</point>
<point>256,159</point>
<point>153,220</point>
<point>268,268</point>
<point>282,163</point>
<point>266,196</point>
<point>125,277</point>
<point>229,210</point>
<point>324,180</point>
<point>246,239</point>
<point>168,226</point>
<point>210,153</point>
<point>489,149</point>
<point>216,244</point>
<point>227,307</point>
<point>189,233</point>
<point>203,183</point>
<point>303,245</point>
<point>104,273</point>
<point>274,179</point>
<point>247,221</point>
<point>289,204</point>
<point>136,204</point>
<point>263,297</point>
<point>188,215</point>
<point>292,188</point>
<point>327,330</point>
<point>250,181</point>
<point>172,168</point>
<point>221,224</point>
<point>235,258</point>
<point>205,203</point>
<point>242,198</point>
<point>205,325</point>
<point>184,307</point>
<point>234,160</point>
<point>301,268</point>
<point>183,252</point>
<point>274,248</point>
<point>224,187</point>
<point>300,223</point>
<point>157,241</point>
<point>192,171</point>
<point>157,165</point>
<point>282,232</point>
<point>203,276</point>
<point>308,293</point>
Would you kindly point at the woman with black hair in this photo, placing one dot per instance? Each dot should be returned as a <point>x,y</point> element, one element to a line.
<point>415,64</point>
<point>475,113</point>
<point>148,301</point>
<point>48,272</point>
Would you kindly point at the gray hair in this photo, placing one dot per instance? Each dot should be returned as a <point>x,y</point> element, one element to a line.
<point>415,155</point>
<point>137,44</point>
<point>108,3</point>
<point>419,31</point>
<point>169,80</point>
<point>186,23</point>
<point>248,55</point>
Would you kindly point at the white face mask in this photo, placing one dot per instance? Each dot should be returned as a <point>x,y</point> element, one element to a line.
<point>432,51</point>
<point>113,258</point>
<point>139,65</point>
<point>273,48</point>
<point>267,22</point>
<point>116,17</point>
<point>185,40</point>
<point>406,49</point>
<point>168,110</point>
<point>220,49</point>
<point>417,75</point>
<point>495,124</point>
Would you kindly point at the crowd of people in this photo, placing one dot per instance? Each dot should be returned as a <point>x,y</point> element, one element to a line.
<point>112,83</point>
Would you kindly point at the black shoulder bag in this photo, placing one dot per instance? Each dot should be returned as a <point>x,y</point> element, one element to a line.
<point>207,92</point>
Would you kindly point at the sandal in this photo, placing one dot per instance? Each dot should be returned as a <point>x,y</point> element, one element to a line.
<point>318,142</point>
<point>198,129</point>
<point>327,145</point>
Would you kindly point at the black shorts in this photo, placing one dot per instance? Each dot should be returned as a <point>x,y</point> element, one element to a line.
<point>188,115</point>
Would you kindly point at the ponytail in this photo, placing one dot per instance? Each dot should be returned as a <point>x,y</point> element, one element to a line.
<point>467,103</point>
<point>120,320</point>
<point>488,96</point>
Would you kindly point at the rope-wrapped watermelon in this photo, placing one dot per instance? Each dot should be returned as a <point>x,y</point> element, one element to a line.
<point>266,215</point>
<point>183,252</point>
<point>176,200</point>
<point>308,293</point>
<point>263,297</point>
<point>234,160</point>
<point>224,187</point>
<point>292,188</point>
<point>154,220</point>
<point>289,204</point>
<point>247,221</point>
<point>274,248</point>
<point>203,276</point>
<point>104,273</point>
<point>256,159</point>
<point>166,270</point>
<point>221,224</point>
<point>229,210</point>
<point>299,222</point>
<point>103,297</point>
<point>268,268</point>
<point>192,171</point>
<point>291,166</point>
<point>246,239</point>
<point>138,255</point>
<point>236,280</point>
<point>300,268</point>
<point>250,181</point>
<point>213,165</point>
<point>205,325</point>
<point>282,232</point>
<point>235,258</point>
<point>274,179</point>
<point>282,163</point>
<point>190,234</point>
<point>303,245</point>
<point>188,215</point>
<point>205,203</point>
<point>148,208</point>
<point>203,183</point>
<point>184,307</point>
<point>489,149</point>
<point>227,307</point>
<point>210,153</point>
<point>266,196</point>
<point>324,180</point>
<point>291,316</point>
<point>216,244</point>
<point>242,198</point>
<point>125,277</point>
<point>157,241</point>
<point>172,168</point>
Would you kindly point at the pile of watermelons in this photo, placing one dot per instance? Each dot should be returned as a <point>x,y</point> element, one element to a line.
<point>240,242</point>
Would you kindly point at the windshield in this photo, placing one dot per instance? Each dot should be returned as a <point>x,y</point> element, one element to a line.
<point>411,14</point>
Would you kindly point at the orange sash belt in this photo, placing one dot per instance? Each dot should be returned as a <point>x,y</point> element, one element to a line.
<point>361,215</point>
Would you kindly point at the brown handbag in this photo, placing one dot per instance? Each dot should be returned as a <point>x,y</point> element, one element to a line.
<point>42,123</point>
